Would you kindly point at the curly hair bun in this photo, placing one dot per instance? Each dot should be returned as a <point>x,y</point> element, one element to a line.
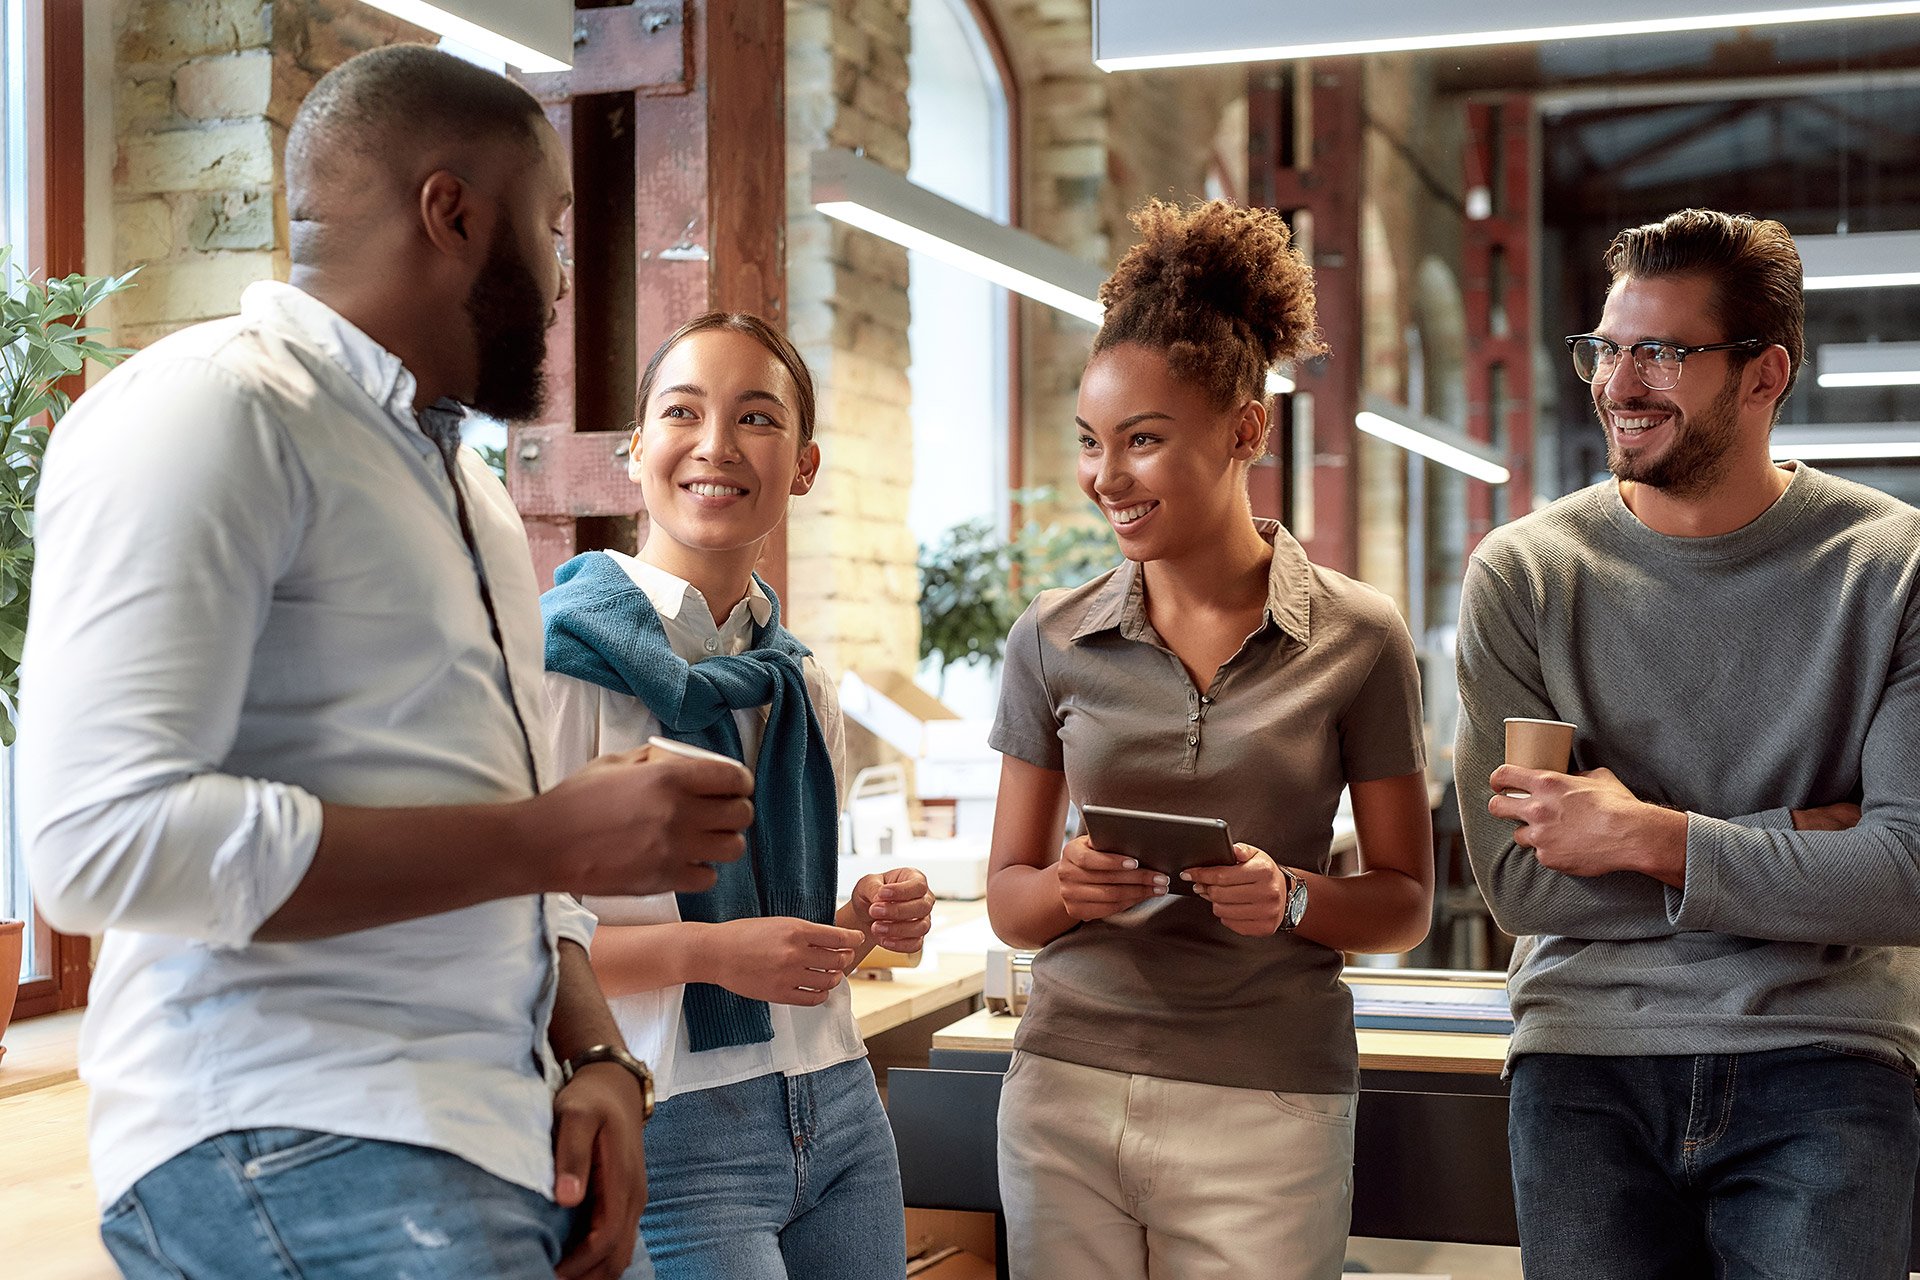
<point>1219,288</point>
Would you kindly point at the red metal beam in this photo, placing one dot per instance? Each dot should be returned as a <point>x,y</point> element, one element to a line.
<point>1314,171</point>
<point>1497,267</point>
<point>674,115</point>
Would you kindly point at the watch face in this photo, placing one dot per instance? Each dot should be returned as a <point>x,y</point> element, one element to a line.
<point>1296,903</point>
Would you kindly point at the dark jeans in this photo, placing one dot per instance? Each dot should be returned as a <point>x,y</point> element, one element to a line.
<point>1794,1164</point>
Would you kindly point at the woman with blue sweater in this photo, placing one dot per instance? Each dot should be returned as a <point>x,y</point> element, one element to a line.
<point>769,1155</point>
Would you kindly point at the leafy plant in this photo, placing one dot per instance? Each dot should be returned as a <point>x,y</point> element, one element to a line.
<point>42,340</point>
<point>975,583</point>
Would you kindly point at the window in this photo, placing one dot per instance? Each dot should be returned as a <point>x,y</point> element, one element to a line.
<point>14,903</point>
<point>961,332</point>
<point>42,194</point>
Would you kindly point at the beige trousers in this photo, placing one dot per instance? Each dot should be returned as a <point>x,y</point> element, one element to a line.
<point>1111,1176</point>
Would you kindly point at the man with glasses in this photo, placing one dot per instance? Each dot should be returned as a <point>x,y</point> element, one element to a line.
<point>1716,1007</point>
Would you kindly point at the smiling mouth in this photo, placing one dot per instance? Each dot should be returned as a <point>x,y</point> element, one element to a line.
<point>714,490</point>
<point>1127,515</point>
<point>1631,426</point>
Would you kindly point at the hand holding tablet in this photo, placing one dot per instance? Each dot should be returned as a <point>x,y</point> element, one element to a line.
<point>1168,843</point>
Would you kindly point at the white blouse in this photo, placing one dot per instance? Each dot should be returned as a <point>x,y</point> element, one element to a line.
<point>589,721</point>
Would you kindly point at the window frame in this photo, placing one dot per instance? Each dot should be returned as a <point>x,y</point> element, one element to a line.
<point>56,240</point>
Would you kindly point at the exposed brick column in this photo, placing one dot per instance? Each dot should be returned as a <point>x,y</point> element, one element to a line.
<point>204,93</point>
<point>852,583</point>
<point>1065,161</point>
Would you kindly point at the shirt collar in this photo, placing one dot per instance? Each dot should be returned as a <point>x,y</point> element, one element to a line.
<point>672,594</point>
<point>299,314</point>
<point>1122,604</point>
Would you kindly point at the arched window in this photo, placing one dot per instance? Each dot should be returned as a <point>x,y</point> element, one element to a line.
<point>960,137</point>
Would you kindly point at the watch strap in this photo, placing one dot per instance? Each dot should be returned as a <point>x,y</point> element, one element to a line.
<point>619,1057</point>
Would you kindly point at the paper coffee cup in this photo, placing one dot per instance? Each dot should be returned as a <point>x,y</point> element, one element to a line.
<point>1539,744</point>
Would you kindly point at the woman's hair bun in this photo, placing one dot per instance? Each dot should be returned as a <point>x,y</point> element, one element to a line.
<point>1219,288</point>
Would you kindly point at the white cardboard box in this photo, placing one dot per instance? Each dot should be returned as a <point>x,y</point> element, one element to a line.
<point>951,758</point>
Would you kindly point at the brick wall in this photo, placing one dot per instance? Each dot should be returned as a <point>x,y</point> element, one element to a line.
<point>1063,172</point>
<point>202,95</point>
<point>851,575</point>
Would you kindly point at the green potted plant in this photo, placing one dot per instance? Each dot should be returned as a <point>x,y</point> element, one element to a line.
<point>43,339</point>
<point>975,582</point>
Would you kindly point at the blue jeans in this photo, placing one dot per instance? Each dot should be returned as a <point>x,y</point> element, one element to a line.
<point>775,1177</point>
<point>1793,1164</point>
<point>293,1204</point>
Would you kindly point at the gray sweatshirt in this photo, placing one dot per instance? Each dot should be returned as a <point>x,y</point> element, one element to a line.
<point>1735,677</point>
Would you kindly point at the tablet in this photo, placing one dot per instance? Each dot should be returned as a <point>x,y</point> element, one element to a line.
<point>1165,842</point>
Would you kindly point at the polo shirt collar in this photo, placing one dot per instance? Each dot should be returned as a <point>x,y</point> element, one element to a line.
<point>1121,604</point>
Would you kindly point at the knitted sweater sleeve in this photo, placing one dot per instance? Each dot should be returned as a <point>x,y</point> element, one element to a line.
<point>1855,887</point>
<point>1500,675</point>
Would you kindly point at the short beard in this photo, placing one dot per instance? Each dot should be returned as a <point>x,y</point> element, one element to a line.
<point>1699,455</point>
<point>509,319</point>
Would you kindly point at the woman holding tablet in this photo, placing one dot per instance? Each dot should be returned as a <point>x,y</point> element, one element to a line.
<point>1181,1101</point>
<point>770,1155</point>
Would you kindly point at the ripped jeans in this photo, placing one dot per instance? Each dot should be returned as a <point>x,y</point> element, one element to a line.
<point>266,1204</point>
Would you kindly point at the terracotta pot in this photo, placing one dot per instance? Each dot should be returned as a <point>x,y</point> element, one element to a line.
<point>12,938</point>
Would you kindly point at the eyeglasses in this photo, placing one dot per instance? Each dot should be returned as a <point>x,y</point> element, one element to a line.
<point>560,251</point>
<point>1656,364</point>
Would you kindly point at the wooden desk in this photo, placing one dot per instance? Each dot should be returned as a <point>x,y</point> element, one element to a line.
<point>50,1226</point>
<point>947,976</point>
<point>1422,1051</point>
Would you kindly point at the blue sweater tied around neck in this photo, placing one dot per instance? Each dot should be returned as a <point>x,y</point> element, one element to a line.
<point>602,628</point>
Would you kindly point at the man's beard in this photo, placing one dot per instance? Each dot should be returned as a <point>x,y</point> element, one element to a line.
<point>509,319</point>
<point>1698,454</point>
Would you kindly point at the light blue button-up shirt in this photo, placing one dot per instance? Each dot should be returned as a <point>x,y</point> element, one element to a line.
<point>252,595</point>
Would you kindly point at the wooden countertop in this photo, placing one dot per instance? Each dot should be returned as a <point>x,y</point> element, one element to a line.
<point>1445,1053</point>
<point>46,1193</point>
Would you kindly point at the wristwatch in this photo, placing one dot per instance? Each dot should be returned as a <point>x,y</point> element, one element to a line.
<point>1296,903</point>
<point>615,1054</point>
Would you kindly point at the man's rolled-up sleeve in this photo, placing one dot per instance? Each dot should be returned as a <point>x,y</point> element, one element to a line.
<point>169,510</point>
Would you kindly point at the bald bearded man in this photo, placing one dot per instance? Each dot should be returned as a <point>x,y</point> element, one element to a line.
<point>283,744</point>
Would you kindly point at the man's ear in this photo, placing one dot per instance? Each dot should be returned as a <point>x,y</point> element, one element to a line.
<point>809,469</point>
<point>451,218</point>
<point>1767,376</point>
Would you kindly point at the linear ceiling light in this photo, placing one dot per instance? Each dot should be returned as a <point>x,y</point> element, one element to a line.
<point>1864,441</point>
<point>863,194</point>
<point>1395,424</point>
<point>1134,35</point>
<point>533,35</point>
<point>1869,364</point>
<point>1860,259</point>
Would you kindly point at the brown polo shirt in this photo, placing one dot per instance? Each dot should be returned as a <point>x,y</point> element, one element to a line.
<point>1326,692</point>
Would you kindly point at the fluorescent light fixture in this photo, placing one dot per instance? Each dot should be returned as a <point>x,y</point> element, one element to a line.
<point>533,35</point>
<point>1132,35</point>
<point>863,194</point>
<point>1278,383</point>
<point>1860,259</point>
<point>1865,441</point>
<point>1436,440</point>
<point>1870,364</point>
